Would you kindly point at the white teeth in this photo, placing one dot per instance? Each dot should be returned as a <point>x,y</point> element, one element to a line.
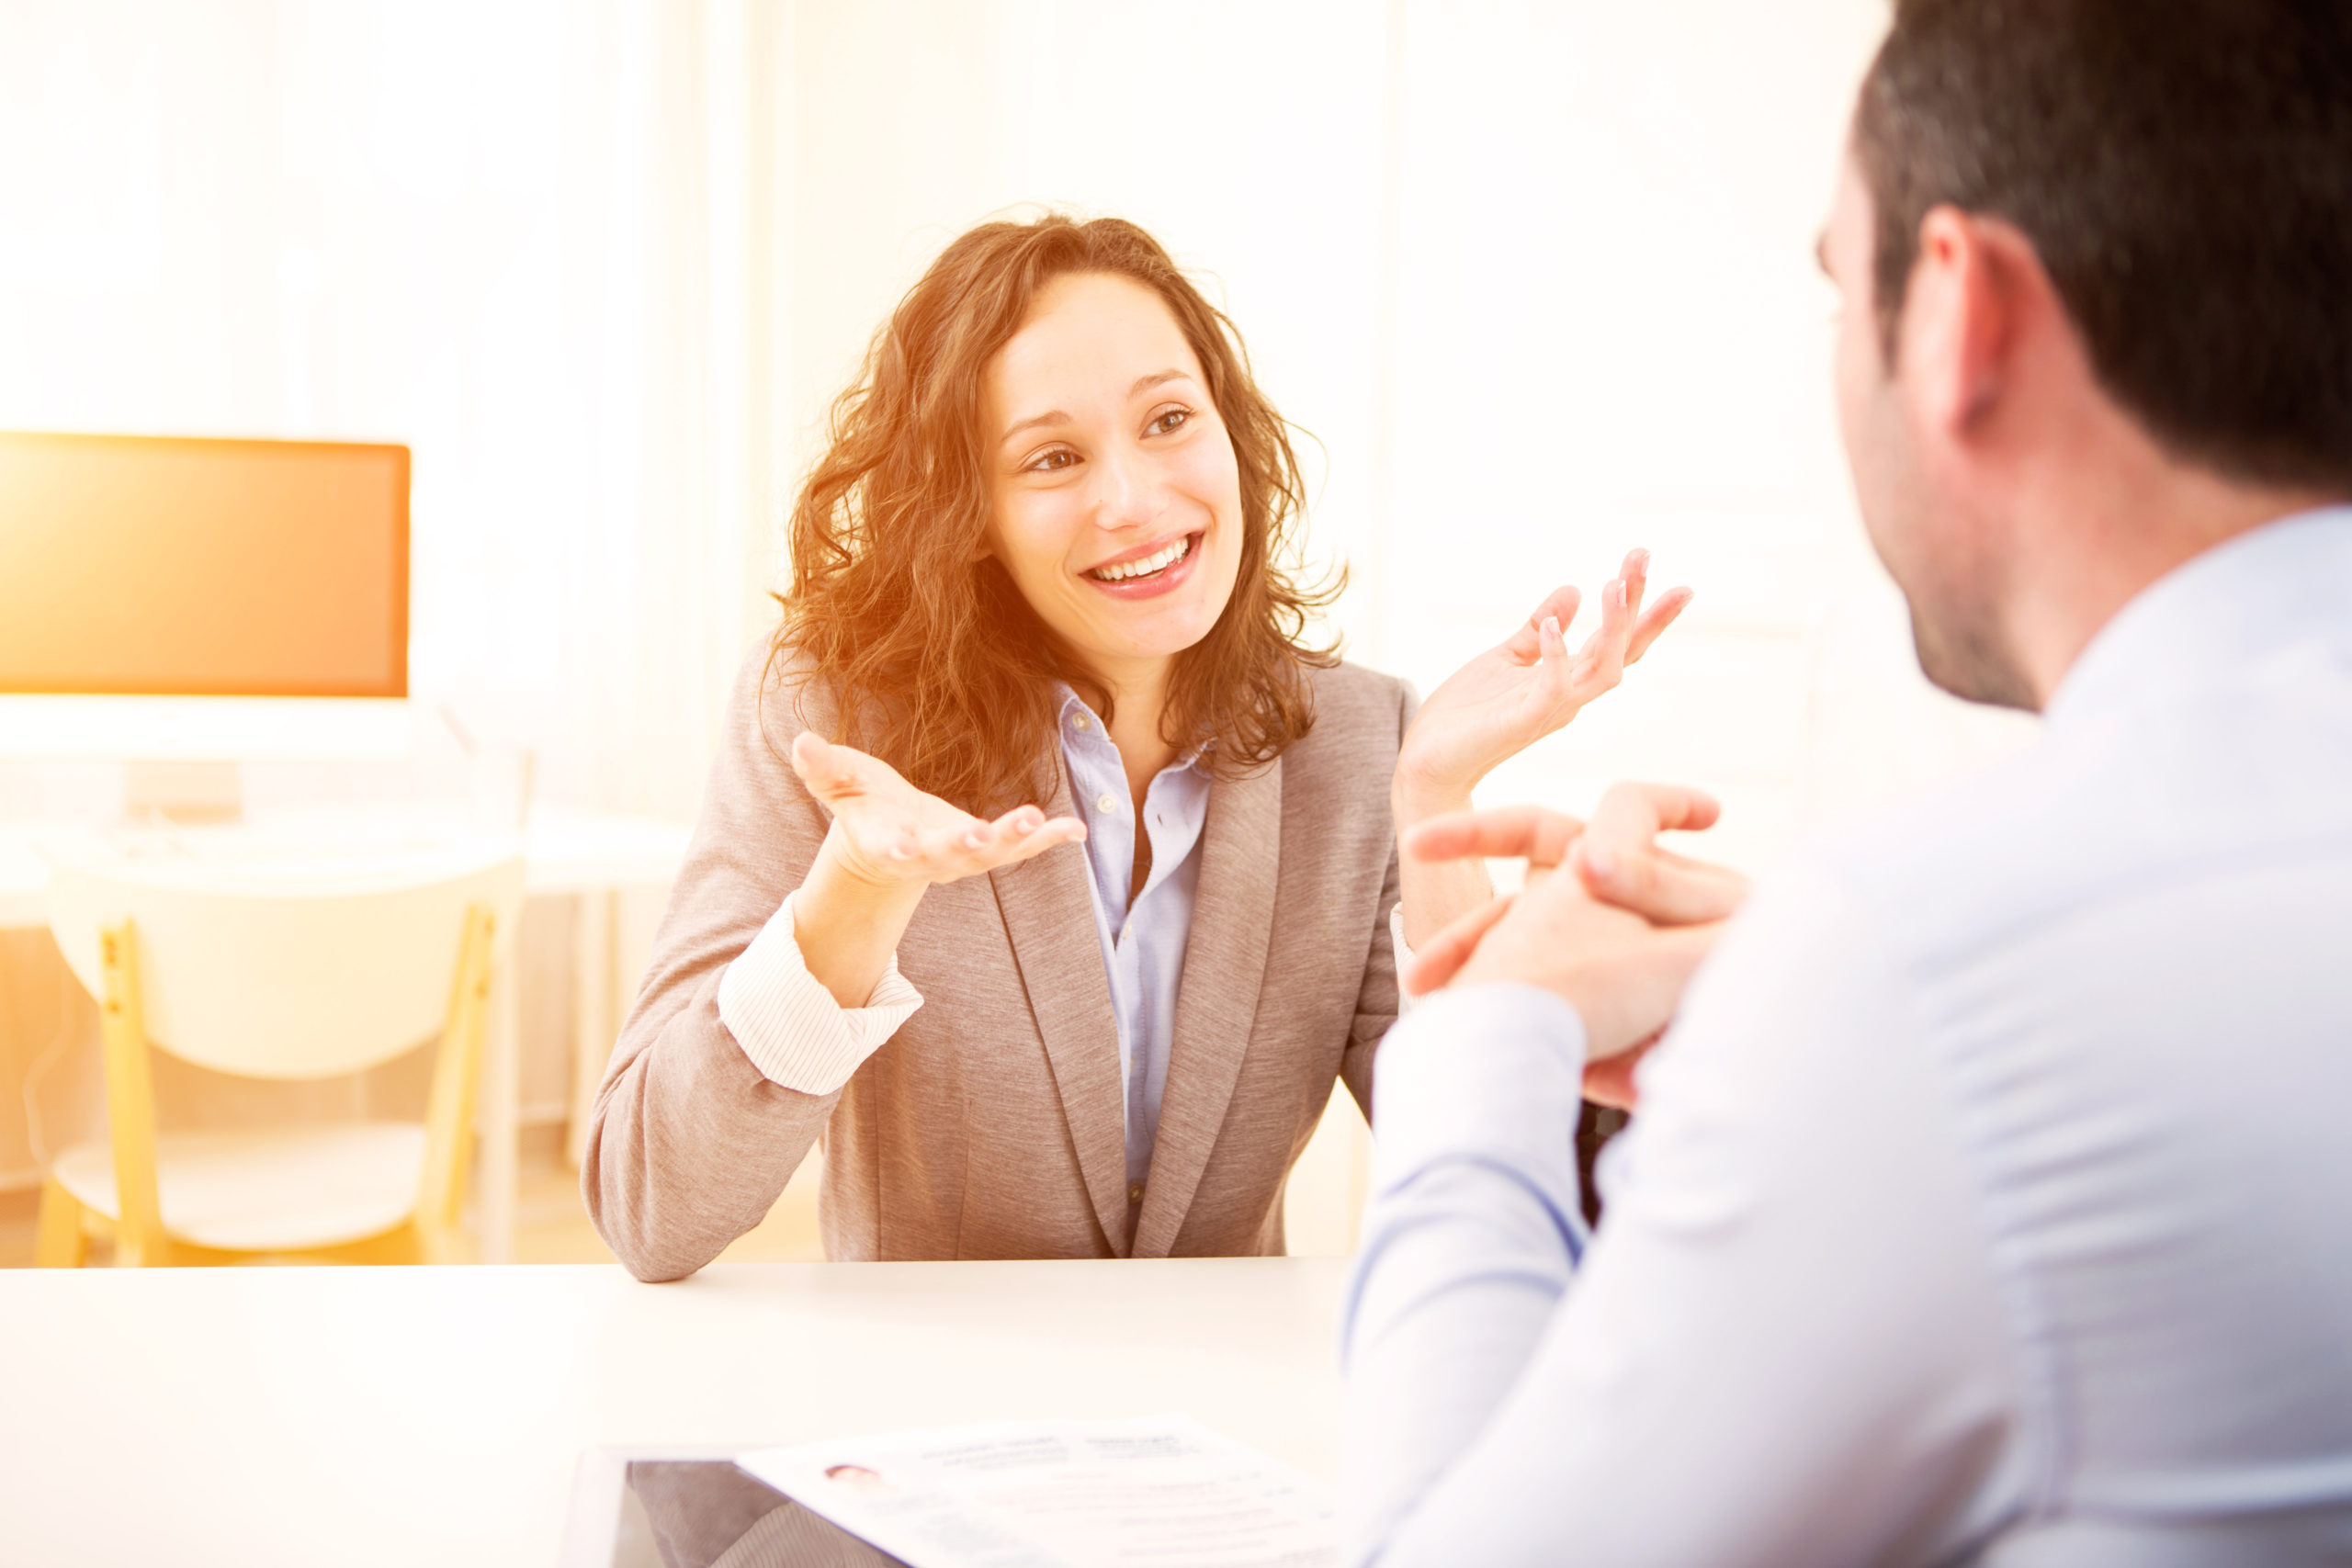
<point>1126,570</point>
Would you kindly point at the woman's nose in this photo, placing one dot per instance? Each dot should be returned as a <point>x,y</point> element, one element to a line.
<point>1125,493</point>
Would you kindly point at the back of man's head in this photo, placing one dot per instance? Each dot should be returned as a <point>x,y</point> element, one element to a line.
<point>2183,169</point>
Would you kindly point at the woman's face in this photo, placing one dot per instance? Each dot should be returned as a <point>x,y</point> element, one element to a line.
<point>1114,497</point>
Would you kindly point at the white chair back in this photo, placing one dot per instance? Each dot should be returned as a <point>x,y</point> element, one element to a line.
<point>280,970</point>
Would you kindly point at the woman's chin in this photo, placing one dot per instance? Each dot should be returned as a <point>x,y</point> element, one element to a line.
<point>1140,629</point>
<point>1167,632</point>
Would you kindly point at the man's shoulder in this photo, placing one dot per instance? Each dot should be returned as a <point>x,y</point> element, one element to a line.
<point>1931,871</point>
<point>2169,794</point>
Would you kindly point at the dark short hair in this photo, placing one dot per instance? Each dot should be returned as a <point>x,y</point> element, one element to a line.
<point>2184,171</point>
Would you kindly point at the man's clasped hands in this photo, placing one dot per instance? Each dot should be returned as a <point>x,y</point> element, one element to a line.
<point>1607,919</point>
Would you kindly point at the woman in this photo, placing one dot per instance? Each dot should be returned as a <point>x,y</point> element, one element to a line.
<point>1042,598</point>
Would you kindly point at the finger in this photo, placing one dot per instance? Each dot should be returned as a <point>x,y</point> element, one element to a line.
<point>1526,644</point>
<point>1020,820</point>
<point>1442,958</point>
<point>1046,835</point>
<point>1602,660</point>
<point>949,850</point>
<point>1512,832</point>
<point>1634,810</point>
<point>1618,861</point>
<point>1671,604</point>
<point>1611,1080</point>
<point>1552,644</point>
<point>825,768</point>
<point>1635,572</point>
<point>1666,890</point>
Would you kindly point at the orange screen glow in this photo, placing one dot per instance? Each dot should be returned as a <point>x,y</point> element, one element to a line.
<point>139,565</point>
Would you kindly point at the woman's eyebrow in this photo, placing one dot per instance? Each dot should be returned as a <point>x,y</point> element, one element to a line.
<point>1056,416</point>
<point>1051,416</point>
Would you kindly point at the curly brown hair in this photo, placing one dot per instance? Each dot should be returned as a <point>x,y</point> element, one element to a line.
<point>929,658</point>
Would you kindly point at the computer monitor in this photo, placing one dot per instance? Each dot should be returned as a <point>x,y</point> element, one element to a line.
<point>167,599</point>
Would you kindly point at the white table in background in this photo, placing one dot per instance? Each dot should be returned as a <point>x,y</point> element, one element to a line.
<point>597,855</point>
<point>258,1416</point>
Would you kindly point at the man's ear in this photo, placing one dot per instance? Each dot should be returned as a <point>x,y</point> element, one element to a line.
<point>1961,317</point>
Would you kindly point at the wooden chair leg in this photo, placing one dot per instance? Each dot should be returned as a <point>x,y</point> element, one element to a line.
<point>62,1242</point>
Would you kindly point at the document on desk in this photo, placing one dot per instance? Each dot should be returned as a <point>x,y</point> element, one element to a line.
<point>1164,1491</point>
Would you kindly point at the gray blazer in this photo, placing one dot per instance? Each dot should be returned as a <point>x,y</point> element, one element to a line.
<point>990,1125</point>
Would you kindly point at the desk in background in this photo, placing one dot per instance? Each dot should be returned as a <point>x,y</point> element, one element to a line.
<point>258,1416</point>
<point>597,856</point>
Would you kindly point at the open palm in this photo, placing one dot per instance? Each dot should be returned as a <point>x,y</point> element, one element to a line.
<point>1529,685</point>
<point>888,832</point>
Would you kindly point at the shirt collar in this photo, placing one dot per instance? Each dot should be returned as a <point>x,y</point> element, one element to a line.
<point>2264,589</point>
<point>1072,702</point>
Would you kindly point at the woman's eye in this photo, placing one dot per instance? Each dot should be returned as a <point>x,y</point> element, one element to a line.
<point>1054,461</point>
<point>1170,420</point>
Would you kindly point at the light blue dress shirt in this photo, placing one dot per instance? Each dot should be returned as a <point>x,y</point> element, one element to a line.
<point>1991,1199</point>
<point>1142,942</point>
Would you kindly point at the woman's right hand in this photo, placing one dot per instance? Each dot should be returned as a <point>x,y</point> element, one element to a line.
<point>889,834</point>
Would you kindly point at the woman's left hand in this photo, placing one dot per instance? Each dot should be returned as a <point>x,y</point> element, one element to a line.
<point>1515,694</point>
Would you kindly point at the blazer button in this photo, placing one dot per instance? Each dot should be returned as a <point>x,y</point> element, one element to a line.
<point>1135,1193</point>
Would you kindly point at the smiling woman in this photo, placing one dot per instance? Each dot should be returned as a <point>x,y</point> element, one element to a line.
<point>1045,603</point>
<point>1051,359</point>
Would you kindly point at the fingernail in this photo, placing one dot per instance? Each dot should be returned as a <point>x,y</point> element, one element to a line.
<point>1599,861</point>
<point>1640,560</point>
<point>1552,626</point>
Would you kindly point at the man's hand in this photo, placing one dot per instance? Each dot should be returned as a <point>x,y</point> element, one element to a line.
<point>1618,937</point>
<point>1618,858</point>
<point>1621,973</point>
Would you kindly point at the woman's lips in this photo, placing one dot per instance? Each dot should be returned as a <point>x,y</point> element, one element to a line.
<point>1166,580</point>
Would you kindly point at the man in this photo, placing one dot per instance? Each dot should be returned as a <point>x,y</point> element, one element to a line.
<point>1991,1197</point>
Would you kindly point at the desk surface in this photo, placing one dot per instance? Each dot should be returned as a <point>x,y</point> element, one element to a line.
<point>406,1415</point>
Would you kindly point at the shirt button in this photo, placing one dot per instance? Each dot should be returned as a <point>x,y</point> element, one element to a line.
<point>1106,802</point>
<point>1077,721</point>
<point>1134,1192</point>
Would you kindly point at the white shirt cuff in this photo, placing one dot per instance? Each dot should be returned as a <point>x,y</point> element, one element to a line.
<point>1404,956</point>
<point>790,1026</point>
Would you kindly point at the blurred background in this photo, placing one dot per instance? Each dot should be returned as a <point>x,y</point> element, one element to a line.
<point>1537,278</point>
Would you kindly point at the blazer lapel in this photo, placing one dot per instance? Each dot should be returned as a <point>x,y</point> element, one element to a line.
<point>1049,914</point>
<point>1217,1004</point>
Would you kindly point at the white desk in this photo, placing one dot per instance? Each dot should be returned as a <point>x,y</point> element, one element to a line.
<point>565,850</point>
<point>258,1416</point>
